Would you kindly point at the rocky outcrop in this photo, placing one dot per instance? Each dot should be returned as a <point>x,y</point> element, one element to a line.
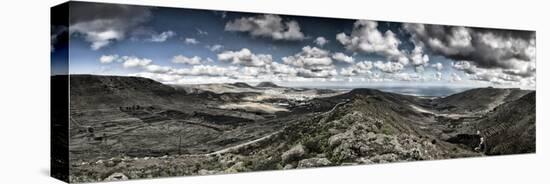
<point>314,162</point>
<point>293,153</point>
<point>116,177</point>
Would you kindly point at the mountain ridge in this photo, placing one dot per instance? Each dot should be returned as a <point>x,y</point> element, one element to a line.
<point>223,128</point>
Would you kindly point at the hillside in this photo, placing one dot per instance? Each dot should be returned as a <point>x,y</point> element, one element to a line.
<point>136,123</point>
<point>479,100</point>
<point>510,127</point>
<point>267,85</point>
<point>113,91</point>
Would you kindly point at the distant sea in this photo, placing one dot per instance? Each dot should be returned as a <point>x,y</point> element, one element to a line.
<point>423,91</point>
<point>431,91</point>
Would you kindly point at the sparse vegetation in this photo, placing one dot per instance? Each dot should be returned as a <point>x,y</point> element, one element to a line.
<point>128,128</point>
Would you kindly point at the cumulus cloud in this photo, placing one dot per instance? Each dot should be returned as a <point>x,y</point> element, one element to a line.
<point>511,50</point>
<point>208,70</point>
<point>202,32</point>
<point>388,67</point>
<point>191,41</point>
<point>437,76</point>
<point>162,77</point>
<point>105,59</point>
<point>279,68</point>
<point>309,73</point>
<point>438,66</point>
<point>320,41</point>
<point>270,26</point>
<point>418,58</point>
<point>358,68</point>
<point>162,37</point>
<point>494,75</point>
<point>455,77</point>
<point>465,66</point>
<point>365,37</point>
<point>132,61</point>
<point>57,31</point>
<point>158,69</point>
<point>364,65</point>
<point>245,57</point>
<point>112,24</point>
<point>181,59</point>
<point>99,39</point>
<point>215,48</point>
<point>127,61</point>
<point>310,58</point>
<point>403,76</point>
<point>343,58</point>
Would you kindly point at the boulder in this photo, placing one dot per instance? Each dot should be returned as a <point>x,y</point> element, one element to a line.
<point>288,166</point>
<point>116,177</point>
<point>314,162</point>
<point>294,153</point>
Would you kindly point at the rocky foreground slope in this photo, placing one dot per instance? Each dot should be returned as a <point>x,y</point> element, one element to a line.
<point>126,128</point>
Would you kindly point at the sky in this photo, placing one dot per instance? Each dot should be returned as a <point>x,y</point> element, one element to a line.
<point>188,46</point>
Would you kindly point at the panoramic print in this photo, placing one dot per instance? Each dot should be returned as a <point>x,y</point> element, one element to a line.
<point>157,91</point>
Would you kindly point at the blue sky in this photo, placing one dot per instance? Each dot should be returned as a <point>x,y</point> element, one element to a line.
<point>181,46</point>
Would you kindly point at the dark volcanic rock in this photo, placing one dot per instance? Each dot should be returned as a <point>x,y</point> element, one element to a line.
<point>242,85</point>
<point>138,117</point>
<point>267,85</point>
<point>477,100</point>
<point>510,128</point>
<point>471,141</point>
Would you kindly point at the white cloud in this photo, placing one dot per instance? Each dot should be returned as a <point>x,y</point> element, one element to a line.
<point>279,68</point>
<point>208,70</point>
<point>111,25</point>
<point>511,51</point>
<point>308,73</point>
<point>437,76</point>
<point>245,57</point>
<point>497,76</point>
<point>162,77</point>
<point>388,67</point>
<point>250,71</point>
<point>215,48</point>
<point>271,26</point>
<point>365,37</point>
<point>455,77</point>
<point>181,59</point>
<point>127,61</point>
<point>202,32</point>
<point>209,60</point>
<point>105,59</point>
<point>403,76</point>
<point>320,41</point>
<point>348,71</point>
<point>418,57</point>
<point>364,65</point>
<point>438,66</point>
<point>310,58</point>
<point>158,69</point>
<point>97,33</point>
<point>359,68</point>
<point>162,37</point>
<point>191,41</point>
<point>452,41</point>
<point>465,66</point>
<point>132,61</point>
<point>343,58</point>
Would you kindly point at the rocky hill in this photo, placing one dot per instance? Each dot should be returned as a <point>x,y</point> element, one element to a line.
<point>145,128</point>
<point>510,127</point>
<point>477,100</point>
<point>267,85</point>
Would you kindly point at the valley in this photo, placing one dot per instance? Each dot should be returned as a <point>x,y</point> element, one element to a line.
<point>141,128</point>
